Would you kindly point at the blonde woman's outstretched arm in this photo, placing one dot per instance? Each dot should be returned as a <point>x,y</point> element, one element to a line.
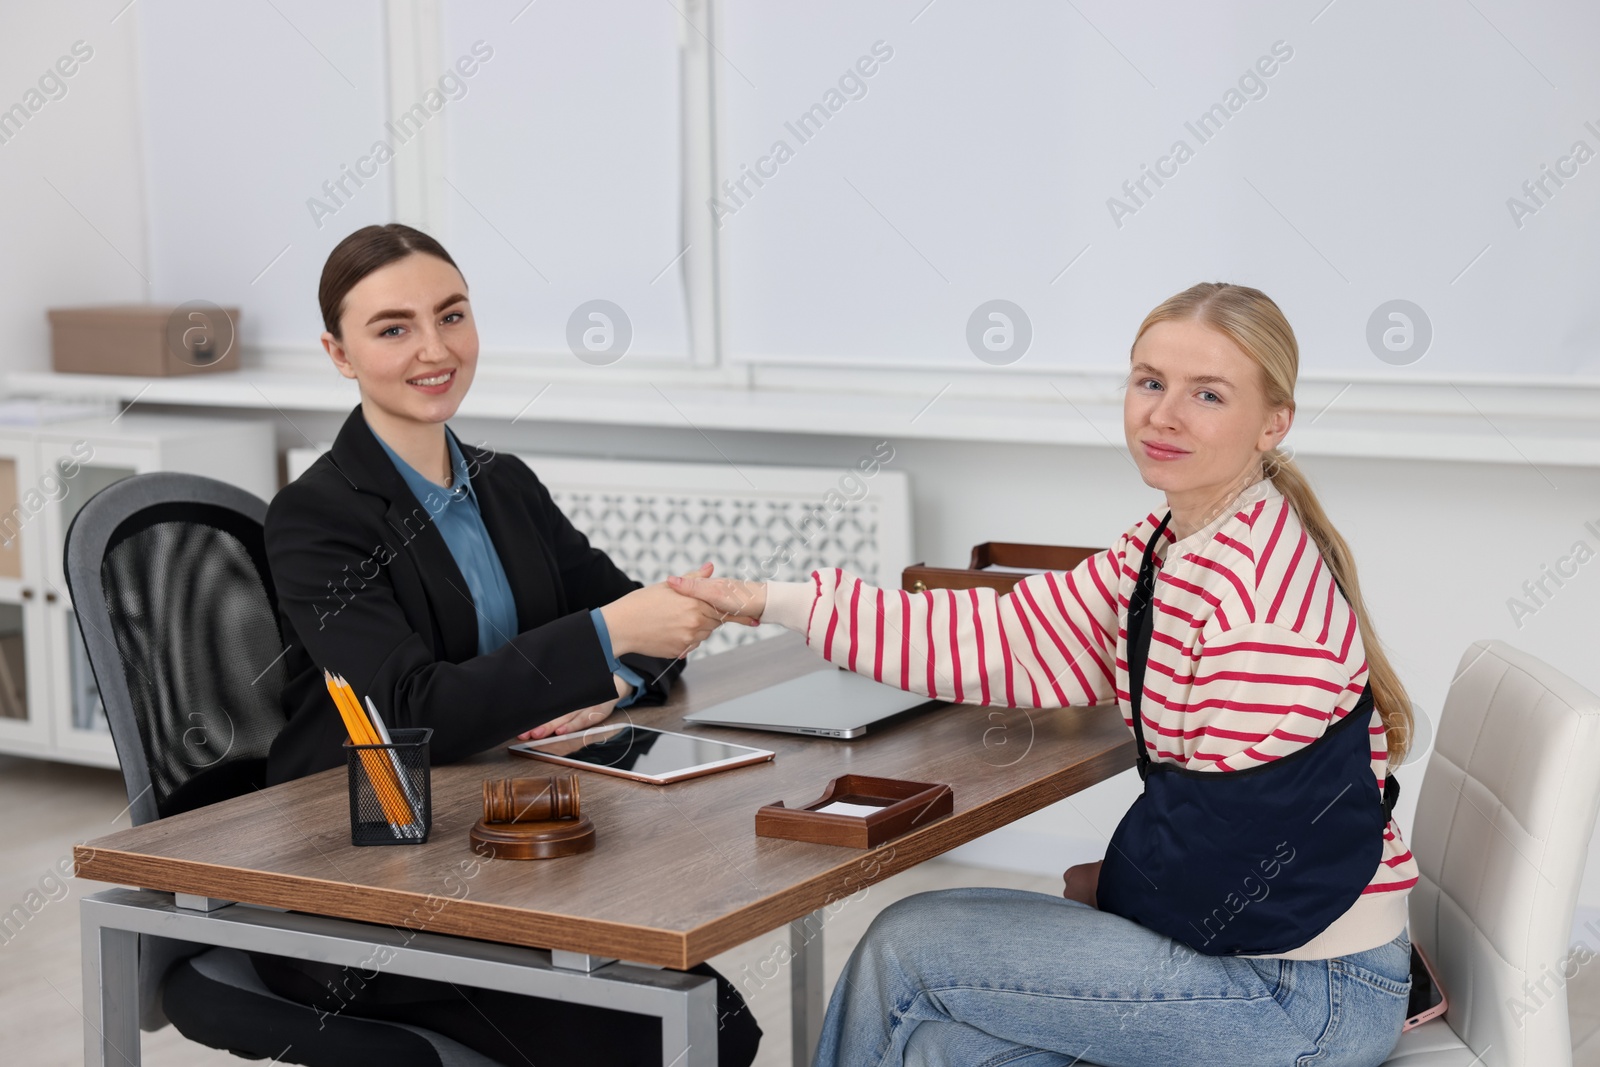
<point>1050,642</point>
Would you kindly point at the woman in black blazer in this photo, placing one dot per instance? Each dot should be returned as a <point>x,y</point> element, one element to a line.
<point>483,631</point>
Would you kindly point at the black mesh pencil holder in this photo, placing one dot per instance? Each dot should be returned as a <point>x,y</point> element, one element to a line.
<point>390,802</point>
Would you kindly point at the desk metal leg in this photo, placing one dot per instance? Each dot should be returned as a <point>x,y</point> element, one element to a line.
<point>689,1027</point>
<point>805,987</point>
<point>110,996</point>
<point>113,919</point>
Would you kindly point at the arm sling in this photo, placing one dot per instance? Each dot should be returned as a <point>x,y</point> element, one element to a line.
<point>1249,862</point>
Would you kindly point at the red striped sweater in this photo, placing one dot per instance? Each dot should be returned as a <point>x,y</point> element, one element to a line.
<point>1254,653</point>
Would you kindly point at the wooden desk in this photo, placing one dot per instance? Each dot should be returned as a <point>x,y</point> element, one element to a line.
<point>678,874</point>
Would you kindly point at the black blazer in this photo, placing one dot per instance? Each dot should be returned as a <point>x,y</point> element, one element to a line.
<point>368,589</point>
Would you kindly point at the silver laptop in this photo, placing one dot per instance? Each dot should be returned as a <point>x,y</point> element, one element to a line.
<point>829,703</point>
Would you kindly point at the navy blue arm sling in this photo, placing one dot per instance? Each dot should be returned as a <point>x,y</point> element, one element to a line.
<point>1249,862</point>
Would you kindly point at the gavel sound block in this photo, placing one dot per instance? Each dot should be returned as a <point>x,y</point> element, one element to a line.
<point>532,819</point>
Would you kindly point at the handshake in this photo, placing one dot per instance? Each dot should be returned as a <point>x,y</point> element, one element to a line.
<point>667,620</point>
<point>671,618</point>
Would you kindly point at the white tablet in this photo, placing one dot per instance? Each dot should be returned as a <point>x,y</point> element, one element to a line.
<point>642,753</point>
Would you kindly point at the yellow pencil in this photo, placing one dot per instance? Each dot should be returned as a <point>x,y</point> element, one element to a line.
<point>378,771</point>
<point>394,776</point>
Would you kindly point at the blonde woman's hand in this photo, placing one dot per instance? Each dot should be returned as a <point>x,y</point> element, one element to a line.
<point>737,601</point>
<point>1082,883</point>
<point>659,621</point>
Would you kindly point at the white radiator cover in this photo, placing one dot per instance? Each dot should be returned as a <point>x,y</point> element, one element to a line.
<point>655,519</point>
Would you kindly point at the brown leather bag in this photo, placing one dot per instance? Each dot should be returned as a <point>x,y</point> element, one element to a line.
<point>1030,559</point>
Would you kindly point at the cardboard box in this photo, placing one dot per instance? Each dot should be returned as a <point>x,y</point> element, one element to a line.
<point>145,340</point>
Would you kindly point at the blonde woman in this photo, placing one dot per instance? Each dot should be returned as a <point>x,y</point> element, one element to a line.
<point>1251,909</point>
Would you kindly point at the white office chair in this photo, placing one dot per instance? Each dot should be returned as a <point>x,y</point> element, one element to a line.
<point>1503,824</point>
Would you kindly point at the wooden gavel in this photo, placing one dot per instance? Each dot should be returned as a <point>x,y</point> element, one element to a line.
<point>532,819</point>
<point>511,800</point>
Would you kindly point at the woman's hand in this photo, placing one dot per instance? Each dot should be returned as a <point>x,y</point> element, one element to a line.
<point>735,600</point>
<point>1082,880</point>
<point>659,621</point>
<point>581,719</point>
<point>572,721</point>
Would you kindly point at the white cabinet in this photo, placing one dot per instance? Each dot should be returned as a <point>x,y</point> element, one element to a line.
<point>49,705</point>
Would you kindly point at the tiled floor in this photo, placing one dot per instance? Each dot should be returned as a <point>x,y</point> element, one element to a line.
<point>49,806</point>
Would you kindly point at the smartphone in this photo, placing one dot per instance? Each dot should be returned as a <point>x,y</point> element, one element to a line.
<point>1427,995</point>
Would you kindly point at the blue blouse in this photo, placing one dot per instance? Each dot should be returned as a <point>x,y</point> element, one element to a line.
<point>460,523</point>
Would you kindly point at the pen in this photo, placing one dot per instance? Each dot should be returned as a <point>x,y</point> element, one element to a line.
<point>394,757</point>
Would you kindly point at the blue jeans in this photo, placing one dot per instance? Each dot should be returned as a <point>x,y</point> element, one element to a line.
<point>981,977</point>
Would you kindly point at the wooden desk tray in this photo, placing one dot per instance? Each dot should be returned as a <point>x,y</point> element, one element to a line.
<point>902,806</point>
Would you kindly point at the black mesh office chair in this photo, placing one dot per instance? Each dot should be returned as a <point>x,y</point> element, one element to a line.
<point>168,578</point>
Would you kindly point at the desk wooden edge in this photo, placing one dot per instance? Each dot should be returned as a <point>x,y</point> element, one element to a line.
<point>396,908</point>
<point>643,944</point>
<point>901,854</point>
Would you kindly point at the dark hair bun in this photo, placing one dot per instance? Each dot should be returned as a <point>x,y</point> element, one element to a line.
<point>363,252</point>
